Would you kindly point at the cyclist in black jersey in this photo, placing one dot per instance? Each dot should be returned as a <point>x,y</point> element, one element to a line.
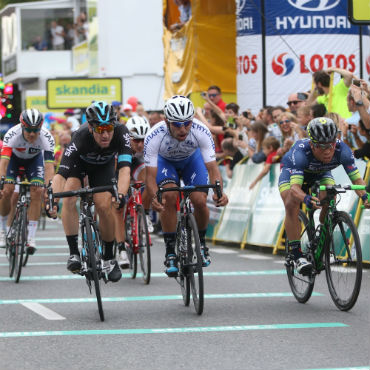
<point>311,160</point>
<point>92,152</point>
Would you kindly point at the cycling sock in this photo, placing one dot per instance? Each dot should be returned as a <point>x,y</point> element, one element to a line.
<point>32,226</point>
<point>121,246</point>
<point>72,241</point>
<point>295,248</point>
<point>202,236</point>
<point>108,250</point>
<point>169,241</point>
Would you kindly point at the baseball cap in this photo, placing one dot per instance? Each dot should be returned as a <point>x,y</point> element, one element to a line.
<point>116,103</point>
<point>69,111</point>
<point>127,107</point>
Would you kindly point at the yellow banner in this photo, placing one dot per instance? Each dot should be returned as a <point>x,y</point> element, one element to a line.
<point>38,101</point>
<point>79,93</point>
<point>80,53</point>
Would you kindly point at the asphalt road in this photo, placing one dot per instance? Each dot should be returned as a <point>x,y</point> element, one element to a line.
<point>250,321</point>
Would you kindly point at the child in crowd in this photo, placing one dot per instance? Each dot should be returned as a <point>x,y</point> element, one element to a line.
<point>270,146</point>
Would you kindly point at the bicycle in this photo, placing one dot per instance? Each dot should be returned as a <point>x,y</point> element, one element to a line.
<point>137,235</point>
<point>188,250</point>
<point>91,247</point>
<point>335,247</point>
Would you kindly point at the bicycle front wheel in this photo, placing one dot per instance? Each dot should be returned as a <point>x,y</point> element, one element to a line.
<point>144,243</point>
<point>11,242</point>
<point>93,267</point>
<point>343,262</point>
<point>132,256</point>
<point>195,269</point>
<point>20,244</point>
<point>182,255</point>
<point>301,286</point>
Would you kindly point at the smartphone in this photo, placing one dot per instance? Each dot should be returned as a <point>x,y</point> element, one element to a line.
<point>203,94</point>
<point>302,96</point>
<point>240,137</point>
<point>349,127</point>
<point>357,83</point>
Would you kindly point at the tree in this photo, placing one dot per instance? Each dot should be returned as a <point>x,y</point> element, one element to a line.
<point>4,3</point>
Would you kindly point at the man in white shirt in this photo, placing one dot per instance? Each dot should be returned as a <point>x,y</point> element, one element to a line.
<point>57,36</point>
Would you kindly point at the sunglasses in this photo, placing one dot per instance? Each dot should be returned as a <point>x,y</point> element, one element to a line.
<point>137,141</point>
<point>285,121</point>
<point>30,130</point>
<point>100,129</point>
<point>324,146</point>
<point>180,124</point>
<point>293,102</point>
<point>212,95</point>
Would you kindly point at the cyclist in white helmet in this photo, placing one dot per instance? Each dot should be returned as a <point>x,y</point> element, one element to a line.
<point>180,147</point>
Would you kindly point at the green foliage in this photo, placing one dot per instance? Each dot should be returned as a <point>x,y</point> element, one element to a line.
<point>4,3</point>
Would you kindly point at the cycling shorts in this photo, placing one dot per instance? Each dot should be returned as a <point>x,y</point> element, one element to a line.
<point>34,168</point>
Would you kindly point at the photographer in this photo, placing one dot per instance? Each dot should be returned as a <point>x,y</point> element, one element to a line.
<point>364,148</point>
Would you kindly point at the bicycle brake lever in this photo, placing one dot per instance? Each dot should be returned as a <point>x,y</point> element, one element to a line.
<point>159,195</point>
<point>218,189</point>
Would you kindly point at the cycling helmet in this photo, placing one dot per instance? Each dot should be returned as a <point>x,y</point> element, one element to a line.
<point>31,118</point>
<point>100,113</point>
<point>179,109</point>
<point>138,127</point>
<point>322,130</point>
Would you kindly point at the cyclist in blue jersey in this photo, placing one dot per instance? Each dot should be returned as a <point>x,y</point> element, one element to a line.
<point>308,161</point>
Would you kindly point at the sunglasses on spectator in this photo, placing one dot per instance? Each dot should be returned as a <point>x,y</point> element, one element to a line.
<point>293,102</point>
<point>212,95</point>
<point>324,146</point>
<point>285,121</point>
<point>180,124</point>
<point>30,130</point>
<point>99,129</point>
<point>137,141</point>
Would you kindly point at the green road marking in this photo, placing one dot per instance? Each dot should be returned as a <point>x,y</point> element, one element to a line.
<point>149,298</point>
<point>156,274</point>
<point>345,368</point>
<point>204,329</point>
<point>43,254</point>
<point>38,263</point>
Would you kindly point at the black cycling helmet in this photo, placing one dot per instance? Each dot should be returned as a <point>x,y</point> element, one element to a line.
<point>100,113</point>
<point>32,118</point>
<point>322,130</point>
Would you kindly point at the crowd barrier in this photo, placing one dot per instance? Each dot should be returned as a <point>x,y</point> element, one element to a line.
<point>256,217</point>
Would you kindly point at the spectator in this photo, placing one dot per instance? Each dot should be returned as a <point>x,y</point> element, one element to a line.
<point>231,115</point>
<point>256,136</point>
<point>117,108</point>
<point>360,96</point>
<point>303,117</point>
<point>154,117</point>
<point>140,111</point>
<point>276,113</point>
<point>69,38</point>
<point>342,127</point>
<point>40,44</point>
<point>81,28</point>
<point>295,101</point>
<point>230,150</point>
<point>71,123</point>
<point>214,96</point>
<point>57,36</point>
<point>339,93</point>
<point>317,110</point>
<point>185,14</point>
<point>127,111</point>
<point>272,127</point>
<point>364,148</point>
<point>270,146</point>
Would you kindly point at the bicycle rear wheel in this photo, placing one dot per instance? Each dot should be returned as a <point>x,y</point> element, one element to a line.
<point>182,255</point>
<point>20,244</point>
<point>195,269</point>
<point>144,244</point>
<point>132,256</point>
<point>94,263</point>
<point>343,262</point>
<point>301,286</point>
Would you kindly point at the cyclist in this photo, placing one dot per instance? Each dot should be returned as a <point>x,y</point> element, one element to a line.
<point>137,127</point>
<point>92,152</point>
<point>308,161</point>
<point>180,146</point>
<point>30,146</point>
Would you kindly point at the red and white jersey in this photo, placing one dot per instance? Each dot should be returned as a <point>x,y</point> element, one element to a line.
<point>15,143</point>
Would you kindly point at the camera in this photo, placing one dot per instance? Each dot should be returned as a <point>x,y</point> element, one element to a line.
<point>240,137</point>
<point>357,83</point>
<point>203,94</point>
<point>302,96</point>
<point>349,127</point>
<point>231,123</point>
<point>247,114</point>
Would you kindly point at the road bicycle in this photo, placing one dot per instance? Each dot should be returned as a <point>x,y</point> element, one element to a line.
<point>137,237</point>
<point>334,247</point>
<point>92,266</point>
<point>188,249</point>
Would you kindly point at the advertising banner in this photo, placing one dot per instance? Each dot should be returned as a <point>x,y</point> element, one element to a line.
<point>364,233</point>
<point>79,93</point>
<point>80,55</point>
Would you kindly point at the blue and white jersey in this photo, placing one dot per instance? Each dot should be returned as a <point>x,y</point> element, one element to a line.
<point>159,141</point>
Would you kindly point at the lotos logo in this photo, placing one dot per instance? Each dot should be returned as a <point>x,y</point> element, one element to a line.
<point>368,64</point>
<point>314,5</point>
<point>282,65</point>
<point>240,5</point>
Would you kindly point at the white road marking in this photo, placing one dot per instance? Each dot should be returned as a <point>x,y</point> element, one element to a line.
<point>255,257</point>
<point>222,251</point>
<point>43,311</point>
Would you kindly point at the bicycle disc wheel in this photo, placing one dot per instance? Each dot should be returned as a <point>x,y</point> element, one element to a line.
<point>195,269</point>
<point>92,262</point>
<point>343,262</point>
<point>144,244</point>
<point>301,286</point>
<point>182,255</point>
<point>21,240</point>
<point>132,256</point>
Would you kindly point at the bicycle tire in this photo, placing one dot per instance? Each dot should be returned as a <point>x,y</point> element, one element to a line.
<point>343,262</point>
<point>301,286</point>
<point>132,256</point>
<point>195,270</point>
<point>11,244</point>
<point>92,262</point>
<point>182,255</point>
<point>144,243</point>
<point>21,240</point>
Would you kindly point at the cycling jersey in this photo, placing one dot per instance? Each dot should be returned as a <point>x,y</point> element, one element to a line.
<point>299,165</point>
<point>137,165</point>
<point>16,144</point>
<point>159,142</point>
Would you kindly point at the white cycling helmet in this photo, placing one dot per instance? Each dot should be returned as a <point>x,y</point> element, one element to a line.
<point>138,127</point>
<point>179,109</point>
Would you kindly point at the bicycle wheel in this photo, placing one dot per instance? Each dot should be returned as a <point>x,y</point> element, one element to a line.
<point>89,231</point>
<point>182,255</point>
<point>132,256</point>
<point>144,244</point>
<point>195,269</point>
<point>20,244</point>
<point>343,262</point>
<point>11,244</point>
<point>301,286</point>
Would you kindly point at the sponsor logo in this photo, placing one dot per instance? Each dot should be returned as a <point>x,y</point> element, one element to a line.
<point>164,171</point>
<point>126,137</point>
<point>368,64</point>
<point>33,150</point>
<point>316,22</point>
<point>95,89</point>
<point>282,65</point>
<point>240,5</point>
<point>72,148</point>
<point>314,5</point>
<point>247,64</point>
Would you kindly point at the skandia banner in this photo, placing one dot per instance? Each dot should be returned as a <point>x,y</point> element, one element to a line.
<point>249,54</point>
